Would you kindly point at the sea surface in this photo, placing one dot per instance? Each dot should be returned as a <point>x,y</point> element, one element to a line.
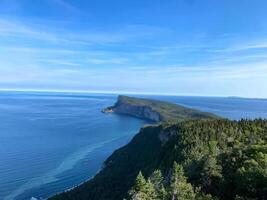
<point>50,142</point>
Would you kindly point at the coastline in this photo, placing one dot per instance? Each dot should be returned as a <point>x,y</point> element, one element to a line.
<point>73,187</point>
<point>150,139</point>
<point>103,164</point>
<point>152,111</point>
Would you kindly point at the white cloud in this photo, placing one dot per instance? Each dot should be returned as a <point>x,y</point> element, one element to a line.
<point>117,61</point>
<point>17,29</point>
<point>245,46</point>
<point>63,58</point>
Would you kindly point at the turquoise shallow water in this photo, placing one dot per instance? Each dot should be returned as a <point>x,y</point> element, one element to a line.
<point>50,142</point>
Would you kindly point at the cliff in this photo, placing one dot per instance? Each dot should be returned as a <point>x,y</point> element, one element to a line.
<point>141,153</point>
<point>155,110</point>
<point>225,159</point>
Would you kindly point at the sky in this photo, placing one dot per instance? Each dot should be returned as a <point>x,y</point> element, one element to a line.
<point>176,47</point>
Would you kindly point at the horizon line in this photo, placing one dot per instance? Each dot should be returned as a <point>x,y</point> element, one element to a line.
<point>124,92</point>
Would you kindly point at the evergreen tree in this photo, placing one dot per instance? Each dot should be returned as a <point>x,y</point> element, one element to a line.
<point>150,191</point>
<point>179,188</point>
<point>138,191</point>
<point>142,190</point>
<point>157,179</point>
<point>211,171</point>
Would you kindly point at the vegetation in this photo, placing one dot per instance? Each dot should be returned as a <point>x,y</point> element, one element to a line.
<point>159,188</point>
<point>167,111</point>
<point>197,159</point>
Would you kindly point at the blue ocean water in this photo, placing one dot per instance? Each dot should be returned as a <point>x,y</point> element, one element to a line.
<point>50,142</point>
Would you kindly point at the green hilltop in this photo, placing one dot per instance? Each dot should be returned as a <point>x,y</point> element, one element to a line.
<point>166,111</point>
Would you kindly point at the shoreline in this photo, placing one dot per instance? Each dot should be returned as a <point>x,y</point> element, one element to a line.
<point>73,187</point>
<point>99,170</point>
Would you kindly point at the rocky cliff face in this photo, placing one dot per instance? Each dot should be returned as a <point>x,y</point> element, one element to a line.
<point>140,111</point>
<point>143,112</point>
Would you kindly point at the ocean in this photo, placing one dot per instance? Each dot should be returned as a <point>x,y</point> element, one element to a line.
<point>50,142</point>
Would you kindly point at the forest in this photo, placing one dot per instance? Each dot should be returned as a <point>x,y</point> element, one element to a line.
<point>217,160</point>
<point>193,159</point>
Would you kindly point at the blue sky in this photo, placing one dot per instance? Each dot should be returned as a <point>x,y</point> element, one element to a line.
<point>183,47</point>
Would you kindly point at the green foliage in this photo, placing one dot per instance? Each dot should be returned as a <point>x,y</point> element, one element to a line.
<point>158,182</point>
<point>177,188</point>
<point>225,158</point>
<point>215,160</point>
<point>211,173</point>
<point>252,175</point>
<point>167,111</point>
<point>140,183</point>
<point>142,189</point>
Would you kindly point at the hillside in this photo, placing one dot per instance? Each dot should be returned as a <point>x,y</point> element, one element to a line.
<point>216,158</point>
<point>223,159</point>
<point>155,110</point>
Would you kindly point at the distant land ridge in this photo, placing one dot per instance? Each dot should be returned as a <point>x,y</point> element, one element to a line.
<point>154,110</point>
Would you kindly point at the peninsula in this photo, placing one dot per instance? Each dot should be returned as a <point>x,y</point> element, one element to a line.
<point>154,110</point>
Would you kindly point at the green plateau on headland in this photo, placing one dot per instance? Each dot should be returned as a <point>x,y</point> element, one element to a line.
<point>189,155</point>
<point>156,110</point>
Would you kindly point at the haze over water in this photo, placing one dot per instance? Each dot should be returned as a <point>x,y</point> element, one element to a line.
<point>50,142</point>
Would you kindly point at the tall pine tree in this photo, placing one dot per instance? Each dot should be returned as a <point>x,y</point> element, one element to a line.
<point>179,188</point>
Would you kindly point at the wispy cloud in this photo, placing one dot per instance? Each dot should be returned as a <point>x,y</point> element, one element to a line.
<point>66,5</point>
<point>58,62</point>
<point>245,46</point>
<point>139,57</point>
<point>108,61</point>
<point>17,29</point>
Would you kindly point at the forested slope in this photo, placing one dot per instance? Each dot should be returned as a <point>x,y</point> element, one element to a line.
<point>221,159</point>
